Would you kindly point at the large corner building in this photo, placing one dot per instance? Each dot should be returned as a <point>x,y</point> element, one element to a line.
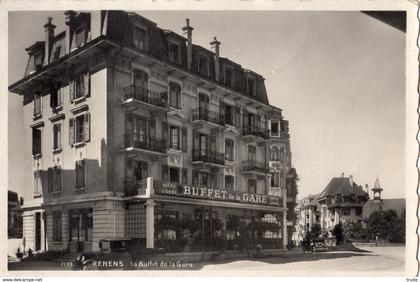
<point>133,131</point>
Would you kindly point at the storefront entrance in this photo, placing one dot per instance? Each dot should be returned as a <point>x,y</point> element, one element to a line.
<point>80,228</point>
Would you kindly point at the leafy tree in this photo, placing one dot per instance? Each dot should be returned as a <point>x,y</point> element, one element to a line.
<point>387,225</point>
<point>316,230</point>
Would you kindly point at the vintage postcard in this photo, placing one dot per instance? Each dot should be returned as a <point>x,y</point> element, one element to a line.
<point>257,137</point>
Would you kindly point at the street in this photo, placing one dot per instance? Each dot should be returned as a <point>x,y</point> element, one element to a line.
<point>389,261</point>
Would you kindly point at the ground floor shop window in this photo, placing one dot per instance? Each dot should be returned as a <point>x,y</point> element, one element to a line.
<point>80,225</point>
<point>182,228</point>
<point>57,226</point>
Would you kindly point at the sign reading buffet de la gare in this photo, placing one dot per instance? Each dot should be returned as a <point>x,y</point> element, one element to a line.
<point>216,194</point>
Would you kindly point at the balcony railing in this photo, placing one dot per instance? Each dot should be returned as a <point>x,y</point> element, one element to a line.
<point>209,116</point>
<point>208,156</point>
<point>255,131</point>
<point>135,187</point>
<point>144,142</point>
<point>255,166</point>
<point>145,95</point>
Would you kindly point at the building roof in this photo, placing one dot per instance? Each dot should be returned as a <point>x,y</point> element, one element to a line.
<point>387,204</point>
<point>342,186</point>
<point>377,185</point>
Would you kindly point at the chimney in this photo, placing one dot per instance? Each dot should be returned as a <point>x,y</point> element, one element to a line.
<point>215,45</point>
<point>351,180</point>
<point>49,38</point>
<point>69,28</point>
<point>97,23</point>
<point>188,30</point>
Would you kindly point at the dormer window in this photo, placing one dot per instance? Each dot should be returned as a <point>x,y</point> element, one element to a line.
<point>203,65</point>
<point>229,76</point>
<point>174,53</point>
<point>38,61</point>
<point>81,37</point>
<point>140,38</point>
<point>251,86</point>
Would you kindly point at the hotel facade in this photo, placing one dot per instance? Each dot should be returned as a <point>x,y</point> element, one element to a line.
<point>133,131</point>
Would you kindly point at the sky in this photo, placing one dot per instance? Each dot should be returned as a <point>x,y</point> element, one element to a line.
<point>338,76</point>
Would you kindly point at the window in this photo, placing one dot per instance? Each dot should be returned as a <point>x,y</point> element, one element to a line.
<point>36,141</point>
<point>274,154</point>
<point>174,95</point>
<point>229,114</point>
<point>81,225</point>
<point>136,170</point>
<point>38,61</point>
<point>359,210</point>
<point>229,183</point>
<point>252,153</point>
<point>56,136</point>
<point>229,149</point>
<point>174,54</point>
<point>275,128</point>
<point>140,37</point>
<point>275,179</point>
<point>56,54</point>
<point>57,225</point>
<point>282,154</point>
<point>37,104</point>
<point>79,88</point>
<point>203,144</point>
<point>282,178</point>
<point>229,76</point>
<point>202,178</point>
<point>174,175</point>
<point>203,65</point>
<point>174,138</point>
<point>37,182</point>
<point>252,186</point>
<point>79,129</point>
<point>54,179</point>
<point>80,174</point>
<point>55,98</point>
<point>346,211</point>
<point>251,86</point>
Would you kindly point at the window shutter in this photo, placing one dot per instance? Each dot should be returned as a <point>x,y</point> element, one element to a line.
<point>144,170</point>
<point>196,141</point>
<point>237,116</point>
<point>165,175</point>
<point>72,88</point>
<point>165,132</point>
<point>59,97</point>
<point>50,179</point>
<point>53,97</point>
<point>195,177</point>
<point>152,128</point>
<point>184,139</point>
<point>86,127</point>
<point>178,97</point>
<point>129,170</point>
<point>184,176</point>
<point>213,143</point>
<point>71,131</point>
<point>245,118</point>
<point>86,84</point>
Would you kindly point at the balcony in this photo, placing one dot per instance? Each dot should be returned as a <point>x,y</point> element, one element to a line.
<point>135,188</point>
<point>252,166</point>
<point>138,95</point>
<point>256,132</point>
<point>207,156</point>
<point>140,143</point>
<point>203,115</point>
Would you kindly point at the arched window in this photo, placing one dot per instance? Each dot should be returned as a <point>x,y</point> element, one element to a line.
<point>282,154</point>
<point>274,154</point>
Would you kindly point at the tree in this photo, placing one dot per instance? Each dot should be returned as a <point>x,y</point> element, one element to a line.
<point>338,233</point>
<point>387,225</point>
<point>292,191</point>
<point>316,230</point>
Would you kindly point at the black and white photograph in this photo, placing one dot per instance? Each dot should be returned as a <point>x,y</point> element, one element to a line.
<point>206,141</point>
